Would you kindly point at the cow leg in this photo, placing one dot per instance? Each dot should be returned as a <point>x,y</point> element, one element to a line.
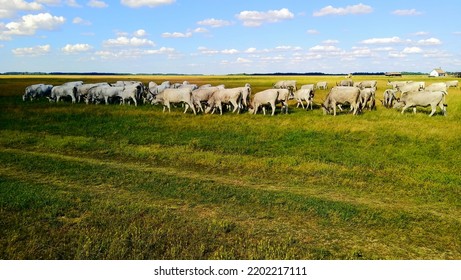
<point>434,108</point>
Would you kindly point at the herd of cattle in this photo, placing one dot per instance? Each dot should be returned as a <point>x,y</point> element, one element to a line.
<point>208,98</point>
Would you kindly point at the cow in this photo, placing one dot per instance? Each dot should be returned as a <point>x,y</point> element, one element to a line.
<point>82,90</point>
<point>367,98</point>
<point>452,83</point>
<point>202,95</point>
<point>322,85</point>
<point>286,84</point>
<point>423,99</point>
<point>105,92</point>
<point>366,84</point>
<point>413,86</point>
<point>341,95</point>
<point>262,98</point>
<point>389,97</point>
<point>437,87</point>
<point>63,91</point>
<point>302,95</point>
<point>231,96</point>
<point>175,95</point>
<point>36,91</point>
<point>345,83</point>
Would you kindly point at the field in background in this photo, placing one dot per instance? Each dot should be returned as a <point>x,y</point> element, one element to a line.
<point>122,182</point>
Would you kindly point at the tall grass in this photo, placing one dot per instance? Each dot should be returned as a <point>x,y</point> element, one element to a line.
<point>118,182</point>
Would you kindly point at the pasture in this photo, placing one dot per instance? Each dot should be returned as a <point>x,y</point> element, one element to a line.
<point>92,181</point>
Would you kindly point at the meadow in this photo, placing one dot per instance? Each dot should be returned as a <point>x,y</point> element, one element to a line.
<point>115,182</point>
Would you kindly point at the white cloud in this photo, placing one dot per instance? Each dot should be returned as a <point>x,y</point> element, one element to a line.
<point>430,42</point>
<point>204,50</point>
<point>389,40</point>
<point>420,33</point>
<point>29,25</point>
<point>81,21</point>
<point>243,60</point>
<point>32,51</point>
<point>410,12</point>
<point>148,3</point>
<point>140,33</point>
<point>135,53</point>
<point>9,8</point>
<point>354,10</point>
<point>200,30</point>
<point>320,48</point>
<point>330,42</point>
<point>76,48</point>
<point>256,18</point>
<point>229,51</point>
<point>97,4</point>
<point>73,3</point>
<point>214,22</point>
<point>287,48</point>
<point>312,31</point>
<point>125,41</point>
<point>177,35</point>
<point>412,50</point>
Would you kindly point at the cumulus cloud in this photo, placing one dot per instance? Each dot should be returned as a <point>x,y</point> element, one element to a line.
<point>388,40</point>
<point>212,22</point>
<point>430,42</point>
<point>140,33</point>
<point>148,3</point>
<point>29,24</point>
<point>410,12</point>
<point>204,50</point>
<point>32,51</point>
<point>177,35</point>
<point>412,50</point>
<point>123,41</point>
<point>9,8</point>
<point>76,48</point>
<point>81,21</point>
<point>135,53</point>
<point>256,18</point>
<point>97,4</point>
<point>320,48</point>
<point>353,10</point>
<point>312,31</point>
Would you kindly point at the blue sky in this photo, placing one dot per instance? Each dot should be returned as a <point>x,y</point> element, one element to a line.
<point>225,37</point>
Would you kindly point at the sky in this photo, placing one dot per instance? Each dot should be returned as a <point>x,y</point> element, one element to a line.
<point>229,36</point>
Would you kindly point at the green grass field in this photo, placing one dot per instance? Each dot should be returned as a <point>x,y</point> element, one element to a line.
<point>84,181</point>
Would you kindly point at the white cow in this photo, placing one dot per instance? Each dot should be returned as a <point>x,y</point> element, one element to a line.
<point>437,87</point>
<point>452,83</point>
<point>63,91</point>
<point>423,99</point>
<point>389,97</point>
<point>262,98</point>
<point>306,94</point>
<point>36,91</point>
<point>286,84</point>
<point>322,85</point>
<point>231,96</point>
<point>129,93</point>
<point>413,86</point>
<point>367,98</point>
<point>82,90</point>
<point>202,95</point>
<point>341,95</point>
<point>175,95</point>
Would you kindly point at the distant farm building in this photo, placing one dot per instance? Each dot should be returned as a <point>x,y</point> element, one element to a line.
<point>437,72</point>
<point>393,74</point>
